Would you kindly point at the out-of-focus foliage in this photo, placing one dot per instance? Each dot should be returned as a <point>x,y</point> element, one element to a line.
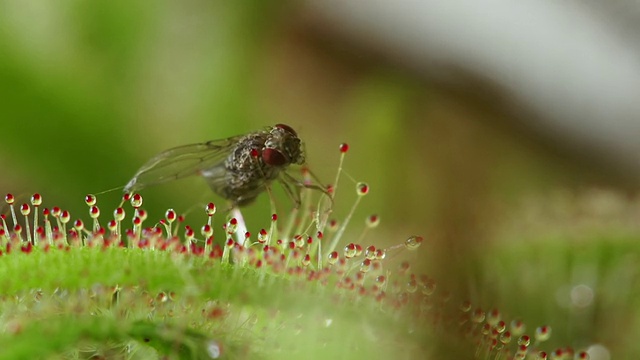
<point>90,90</point>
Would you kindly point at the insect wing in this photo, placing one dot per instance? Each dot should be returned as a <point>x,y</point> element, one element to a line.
<point>181,162</point>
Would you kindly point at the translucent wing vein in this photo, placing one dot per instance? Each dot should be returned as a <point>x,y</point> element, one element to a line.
<point>181,162</point>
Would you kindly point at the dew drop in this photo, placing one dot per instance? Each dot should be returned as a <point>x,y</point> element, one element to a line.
<point>210,209</point>
<point>262,236</point>
<point>36,199</point>
<point>9,199</point>
<point>493,317</point>
<point>332,258</point>
<point>505,337</point>
<point>344,147</point>
<point>558,354</point>
<point>404,267</point>
<point>583,355</point>
<point>362,188</point>
<point>465,306</point>
<point>521,352</point>
<point>372,221</point>
<point>189,233</point>
<point>376,265</point>
<point>112,225</point>
<point>486,329</point>
<point>413,242</point>
<point>524,340</point>
<point>65,216</point>
<point>119,214</point>
<point>543,333</point>
<point>306,260</point>
<point>358,249</point>
<point>517,327</point>
<point>136,200</point>
<point>90,200</point>
<point>412,286</point>
<point>477,316</point>
<point>25,209</point>
<point>370,252</point>
<point>207,231</point>
<point>78,225</point>
<point>170,215</point>
<point>350,251</point>
<point>381,254</point>
<point>429,287</point>
<point>94,212</point>
<point>232,226</point>
<point>365,266</point>
<point>333,225</point>
<point>298,241</point>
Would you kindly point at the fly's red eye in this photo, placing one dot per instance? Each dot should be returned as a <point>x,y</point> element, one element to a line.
<point>273,157</point>
<point>287,128</point>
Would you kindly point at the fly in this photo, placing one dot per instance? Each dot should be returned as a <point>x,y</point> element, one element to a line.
<point>238,168</point>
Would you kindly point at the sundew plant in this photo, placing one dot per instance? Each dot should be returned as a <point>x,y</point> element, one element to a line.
<point>119,285</point>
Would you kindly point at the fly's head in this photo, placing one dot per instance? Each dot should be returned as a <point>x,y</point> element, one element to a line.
<point>283,147</point>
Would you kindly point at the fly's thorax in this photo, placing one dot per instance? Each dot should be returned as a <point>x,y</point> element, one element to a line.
<point>241,159</point>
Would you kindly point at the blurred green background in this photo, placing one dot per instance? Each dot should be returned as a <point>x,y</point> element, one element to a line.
<point>90,90</point>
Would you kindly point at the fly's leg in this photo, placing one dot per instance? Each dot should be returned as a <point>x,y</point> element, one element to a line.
<point>317,180</point>
<point>288,179</point>
<point>294,195</point>
<point>323,210</point>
